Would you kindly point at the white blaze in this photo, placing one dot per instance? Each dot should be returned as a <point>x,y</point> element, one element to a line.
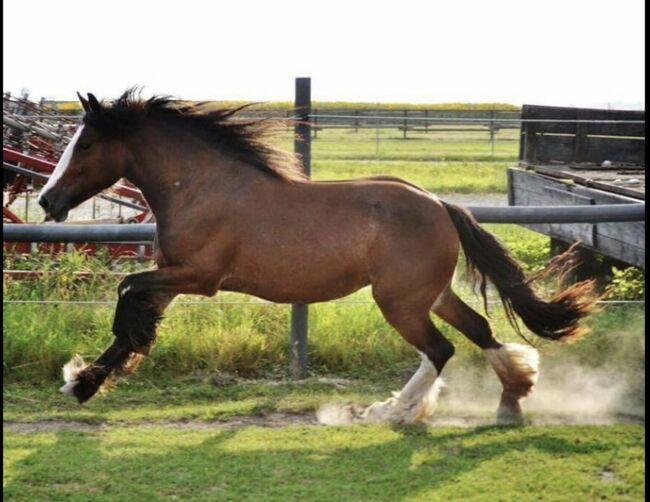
<point>63,163</point>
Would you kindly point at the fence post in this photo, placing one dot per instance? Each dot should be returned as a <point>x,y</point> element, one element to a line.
<point>492,131</point>
<point>302,146</point>
<point>27,206</point>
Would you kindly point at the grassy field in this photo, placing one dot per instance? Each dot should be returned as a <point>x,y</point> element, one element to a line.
<point>256,440</point>
<point>440,162</point>
<point>313,463</point>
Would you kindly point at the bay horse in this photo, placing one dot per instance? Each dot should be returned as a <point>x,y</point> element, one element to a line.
<point>235,214</point>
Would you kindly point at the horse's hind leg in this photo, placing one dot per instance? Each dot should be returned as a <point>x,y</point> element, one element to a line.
<point>416,400</point>
<point>516,365</point>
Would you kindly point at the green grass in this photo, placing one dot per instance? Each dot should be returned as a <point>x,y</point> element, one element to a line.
<point>140,399</point>
<point>436,177</point>
<point>441,162</point>
<point>357,463</point>
<point>387,144</point>
<point>247,339</point>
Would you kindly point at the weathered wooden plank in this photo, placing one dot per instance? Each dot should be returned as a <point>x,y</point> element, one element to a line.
<point>587,178</point>
<point>630,192</point>
<point>522,142</point>
<point>554,148</point>
<point>532,182</point>
<point>568,113</point>
<point>530,141</point>
<point>604,193</point>
<point>614,149</point>
<point>603,196</point>
<point>632,233</point>
<point>614,249</point>
<point>620,129</point>
<point>623,241</point>
<point>583,232</point>
<point>562,148</point>
<point>510,173</point>
<point>623,251</point>
<point>581,146</point>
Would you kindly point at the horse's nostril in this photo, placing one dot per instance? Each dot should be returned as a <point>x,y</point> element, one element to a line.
<point>44,202</point>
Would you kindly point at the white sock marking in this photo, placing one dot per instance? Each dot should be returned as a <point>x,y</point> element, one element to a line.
<point>515,362</point>
<point>415,402</point>
<point>420,382</point>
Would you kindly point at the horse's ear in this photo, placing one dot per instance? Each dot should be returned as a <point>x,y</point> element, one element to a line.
<point>84,102</point>
<point>94,104</point>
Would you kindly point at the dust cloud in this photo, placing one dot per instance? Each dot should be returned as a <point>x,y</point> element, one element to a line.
<point>572,389</point>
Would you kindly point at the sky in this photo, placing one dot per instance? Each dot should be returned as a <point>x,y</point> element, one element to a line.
<point>555,52</point>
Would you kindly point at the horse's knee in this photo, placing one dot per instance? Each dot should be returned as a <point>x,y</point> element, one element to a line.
<point>131,284</point>
<point>135,322</point>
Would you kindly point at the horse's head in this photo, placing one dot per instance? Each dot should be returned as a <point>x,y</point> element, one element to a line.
<point>92,162</point>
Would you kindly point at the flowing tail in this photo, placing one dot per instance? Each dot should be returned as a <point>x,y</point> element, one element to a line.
<point>556,319</point>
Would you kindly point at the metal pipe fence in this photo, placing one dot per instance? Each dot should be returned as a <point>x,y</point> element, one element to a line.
<point>145,232</point>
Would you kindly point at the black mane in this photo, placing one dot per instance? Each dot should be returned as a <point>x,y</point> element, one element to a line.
<point>245,139</point>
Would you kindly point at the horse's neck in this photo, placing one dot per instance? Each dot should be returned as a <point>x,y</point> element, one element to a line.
<point>175,171</point>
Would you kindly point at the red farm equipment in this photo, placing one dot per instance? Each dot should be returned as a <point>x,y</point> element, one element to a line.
<point>34,137</point>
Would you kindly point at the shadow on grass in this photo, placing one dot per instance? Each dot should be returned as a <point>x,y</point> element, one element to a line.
<point>286,464</point>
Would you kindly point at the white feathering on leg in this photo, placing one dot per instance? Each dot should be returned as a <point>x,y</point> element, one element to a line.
<point>515,363</point>
<point>415,402</point>
<point>70,371</point>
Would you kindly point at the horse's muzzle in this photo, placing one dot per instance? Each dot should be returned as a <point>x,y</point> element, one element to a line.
<point>57,211</point>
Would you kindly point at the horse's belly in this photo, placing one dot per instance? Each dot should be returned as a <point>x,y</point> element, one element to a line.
<point>299,282</point>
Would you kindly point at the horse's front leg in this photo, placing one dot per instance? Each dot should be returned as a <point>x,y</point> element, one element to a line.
<point>143,298</point>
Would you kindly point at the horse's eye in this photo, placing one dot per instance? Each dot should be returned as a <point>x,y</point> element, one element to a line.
<point>83,146</point>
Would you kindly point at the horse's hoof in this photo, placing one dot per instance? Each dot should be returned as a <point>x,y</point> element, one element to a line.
<point>82,384</point>
<point>84,390</point>
<point>510,416</point>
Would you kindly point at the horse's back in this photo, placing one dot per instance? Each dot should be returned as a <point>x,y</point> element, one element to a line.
<point>387,201</point>
<point>405,228</point>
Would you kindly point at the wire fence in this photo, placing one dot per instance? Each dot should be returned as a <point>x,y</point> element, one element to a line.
<point>263,302</point>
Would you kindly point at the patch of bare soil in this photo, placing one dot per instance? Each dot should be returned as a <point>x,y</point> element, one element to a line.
<point>283,419</point>
<point>277,419</point>
<point>479,421</point>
